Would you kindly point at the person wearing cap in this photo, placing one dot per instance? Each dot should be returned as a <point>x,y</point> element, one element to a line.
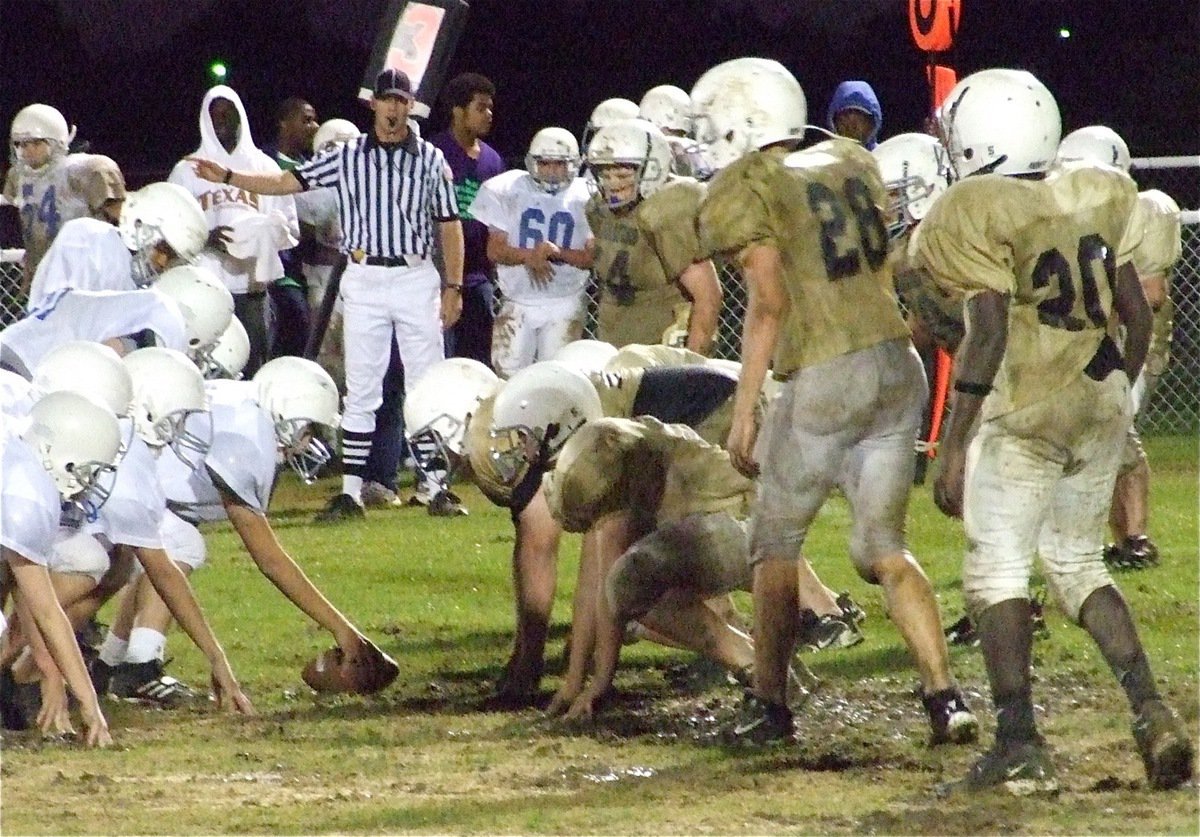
<point>855,112</point>
<point>394,190</point>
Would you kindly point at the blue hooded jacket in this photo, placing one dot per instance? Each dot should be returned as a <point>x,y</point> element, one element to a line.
<point>859,95</point>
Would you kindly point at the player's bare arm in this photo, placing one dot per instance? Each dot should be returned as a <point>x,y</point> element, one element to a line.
<point>702,285</point>
<point>451,234</point>
<point>976,365</point>
<point>766,308</point>
<point>273,183</point>
<point>1135,312</point>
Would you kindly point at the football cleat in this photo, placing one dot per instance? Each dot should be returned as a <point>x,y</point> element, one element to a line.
<point>852,611</point>
<point>341,507</point>
<point>1164,745</point>
<point>146,683</point>
<point>829,631</point>
<point>445,504</point>
<point>962,632</point>
<point>951,721</point>
<point>376,495</point>
<point>1021,768</point>
<point>762,722</point>
<point>1136,552</point>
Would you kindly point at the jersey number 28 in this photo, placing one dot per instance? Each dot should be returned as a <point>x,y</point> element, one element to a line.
<point>836,212</point>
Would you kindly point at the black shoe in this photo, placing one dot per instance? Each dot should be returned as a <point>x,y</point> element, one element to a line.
<point>15,703</point>
<point>1022,768</point>
<point>101,674</point>
<point>1136,552</point>
<point>852,611</point>
<point>341,507</point>
<point>830,632</point>
<point>762,722</point>
<point>962,632</point>
<point>1164,745</point>
<point>445,504</point>
<point>146,682</point>
<point>951,721</point>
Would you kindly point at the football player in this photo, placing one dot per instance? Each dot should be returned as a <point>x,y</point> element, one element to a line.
<point>1154,258</point>
<point>160,224</point>
<point>68,444</point>
<point>655,286</point>
<point>538,236</point>
<point>50,186</point>
<point>1043,263</point>
<point>608,112</point>
<point>807,230</point>
<point>669,108</point>
<point>250,424</point>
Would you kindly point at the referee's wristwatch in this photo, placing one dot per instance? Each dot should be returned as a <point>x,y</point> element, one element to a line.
<point>452,287</point>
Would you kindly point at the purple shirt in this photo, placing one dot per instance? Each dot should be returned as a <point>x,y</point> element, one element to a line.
<point>469,174</point>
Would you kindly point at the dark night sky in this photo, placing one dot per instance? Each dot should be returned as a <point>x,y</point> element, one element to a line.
<point>131,73</point>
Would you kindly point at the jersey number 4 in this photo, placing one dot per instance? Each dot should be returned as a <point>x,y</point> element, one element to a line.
<point>1060,311</point>
<point>836,212</point>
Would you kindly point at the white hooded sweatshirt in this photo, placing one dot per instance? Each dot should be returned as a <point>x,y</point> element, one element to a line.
<point>260,225</point>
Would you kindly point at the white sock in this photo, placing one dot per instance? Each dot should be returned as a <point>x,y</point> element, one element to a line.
<point>352,485</point>
<point>112,650</point>
<point>145,644</point>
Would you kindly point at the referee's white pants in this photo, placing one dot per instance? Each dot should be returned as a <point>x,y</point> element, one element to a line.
<point>381,304</point>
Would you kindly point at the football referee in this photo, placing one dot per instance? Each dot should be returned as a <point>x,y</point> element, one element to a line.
<point>392,189</point>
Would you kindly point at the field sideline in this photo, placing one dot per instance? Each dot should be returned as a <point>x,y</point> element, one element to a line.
<point>422,758</point>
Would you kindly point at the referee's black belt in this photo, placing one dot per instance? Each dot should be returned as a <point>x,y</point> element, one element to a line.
<point>359,257</point>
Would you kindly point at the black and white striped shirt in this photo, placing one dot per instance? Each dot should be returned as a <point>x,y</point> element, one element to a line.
<point>389,196</point>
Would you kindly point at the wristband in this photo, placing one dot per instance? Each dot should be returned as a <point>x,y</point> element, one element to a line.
<point>228,176</point>
<point>972,388</point>
<point>449,287</point>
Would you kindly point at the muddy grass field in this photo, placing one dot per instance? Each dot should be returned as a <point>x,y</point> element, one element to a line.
<point>423,758</point>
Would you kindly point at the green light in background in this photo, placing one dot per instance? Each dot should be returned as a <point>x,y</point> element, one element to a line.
<point>218,70</point>
<point>1064,33</point>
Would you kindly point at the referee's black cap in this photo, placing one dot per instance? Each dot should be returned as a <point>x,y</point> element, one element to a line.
<point>393,82</point>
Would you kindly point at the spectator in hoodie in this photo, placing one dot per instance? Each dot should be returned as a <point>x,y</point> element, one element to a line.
<point>854,112</point>
<point>246,230</point>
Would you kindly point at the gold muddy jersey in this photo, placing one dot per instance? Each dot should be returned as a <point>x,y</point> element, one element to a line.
<point>1157,254</point>
<point>645,356</point>
<point>1053,245</point>
<point>822,209</point>
<point>64,189</point>
<point>599,469</point>
<point>639,255</point>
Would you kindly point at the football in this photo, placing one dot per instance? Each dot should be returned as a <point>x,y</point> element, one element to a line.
<point>367,672</point>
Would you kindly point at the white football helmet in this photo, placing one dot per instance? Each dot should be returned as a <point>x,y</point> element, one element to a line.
<point>1095,144</point>
<point>161,213</point>
<point>333,132</point>
<point>1000,121</point>
<point>41,122</point>
<point>438,408</point>
<point>298,393</point>
<point>90,369</point>
<point>77,442</point>
<point>587,356</point>
<point>634,143</point>
<point>206,304</point>
<point>608,112</point>
<point>915,171</point>
<point>668,108</point>
<point>536,412</point>
<point>553,145</point>
<point>230,354</point>
<point>745,104</point>
<point>167,391</point>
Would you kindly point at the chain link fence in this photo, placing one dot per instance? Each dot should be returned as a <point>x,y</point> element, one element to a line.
<point>1173,408</point>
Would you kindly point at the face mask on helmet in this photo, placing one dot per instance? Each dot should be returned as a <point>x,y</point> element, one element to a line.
<point>553,159</point>
<point>535,414</point>
<point>298,394</point>
<point>77,441</point>
<point>170,406</point>
<point>915,171</point>
<point>438,409</point>
<point>1096,144</point>
<point>161,224</point>
<point>631,161</point>
<point>1000,122</point>
<point>746,104</point>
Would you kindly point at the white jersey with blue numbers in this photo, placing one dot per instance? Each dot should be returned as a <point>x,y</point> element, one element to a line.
<point>94,316</point>
<point>88,255</point>
<point>242,457</point>
<point>514,204</point>
<point>30,505</point>
<point>16,400</point>
<point>134,511</point>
